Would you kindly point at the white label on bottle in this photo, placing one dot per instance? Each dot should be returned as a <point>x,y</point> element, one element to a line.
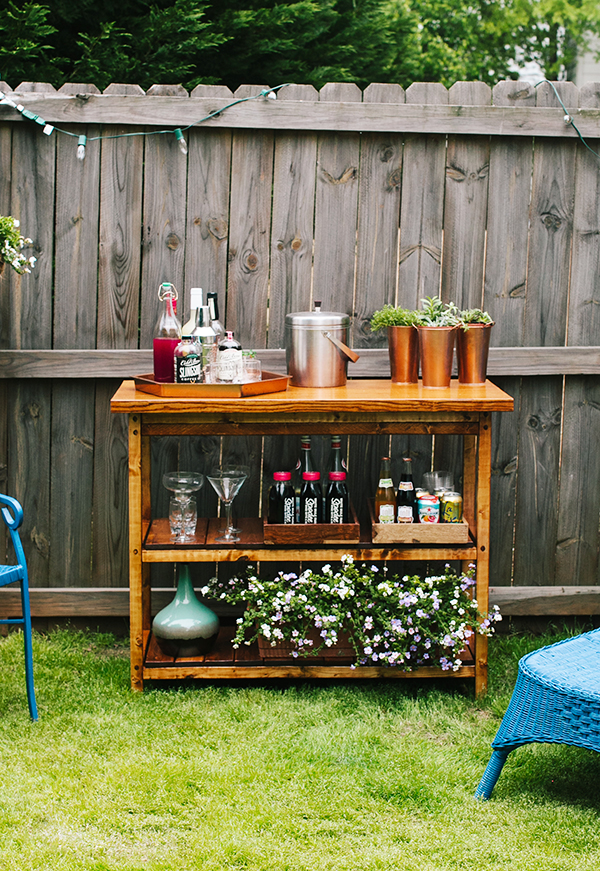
<point>405,485</point>
<point>386,514</point>
<point>289,509</point>
<point>405,514</point>
<point>310,510</point>
<point>386,482</point>
<point>336,509</point>
<point>229,363</point>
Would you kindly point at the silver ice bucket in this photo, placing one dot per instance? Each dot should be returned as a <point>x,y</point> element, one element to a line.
<point>317,351</point>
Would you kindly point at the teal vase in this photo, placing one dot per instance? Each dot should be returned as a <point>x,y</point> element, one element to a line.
<point>185,627</point>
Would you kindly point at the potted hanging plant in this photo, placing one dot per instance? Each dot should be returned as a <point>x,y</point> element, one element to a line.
<point>11,244</point>
<point>473,345</point>
<point>381,619</point>
<point>436,327</point>
<point>403,346</point>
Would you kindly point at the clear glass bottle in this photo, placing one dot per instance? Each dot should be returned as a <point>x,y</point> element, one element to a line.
<point>229,359</point>
<point>337,503</point>
<point>206,336</point>
<point>385,497</point>
<point>196,300</point>
<point>212,300</point>
<point>167,334</point>
<point>406,501</point>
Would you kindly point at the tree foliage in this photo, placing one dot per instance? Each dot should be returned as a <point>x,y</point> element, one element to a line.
<point>269,42</point>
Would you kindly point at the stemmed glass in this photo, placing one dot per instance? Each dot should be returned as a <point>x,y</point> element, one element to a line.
<point>226,483</point>
<point>183,484</point>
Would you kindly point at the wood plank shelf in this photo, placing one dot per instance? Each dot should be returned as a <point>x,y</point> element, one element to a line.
<point>362,407</point>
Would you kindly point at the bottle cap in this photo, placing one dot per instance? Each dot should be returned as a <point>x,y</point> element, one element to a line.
<point>337,476</point>
<point>282,476</point>
<point>311,476</point>
<point>196,296</point>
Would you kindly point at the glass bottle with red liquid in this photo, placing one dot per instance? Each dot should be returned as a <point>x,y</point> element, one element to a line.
<point>167,336</point>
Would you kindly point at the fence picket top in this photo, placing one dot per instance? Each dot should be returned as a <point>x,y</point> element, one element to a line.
<point>470,94</point>
<point>384,93</point>
<point>511,93</point>
<point>167,91</point>
<point>589,95</point>
<point>427,92</point>
<point>568,92</point>
<point>35,88</point>
<point>124,90</point>
<point>75,88</point>
<point>211,91</point>
<point>342,92</point>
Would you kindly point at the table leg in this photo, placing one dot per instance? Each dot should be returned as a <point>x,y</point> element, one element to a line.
<point>135,553</point>
<point>484,471</point>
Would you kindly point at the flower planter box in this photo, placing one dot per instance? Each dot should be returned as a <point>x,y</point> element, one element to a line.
<point>313,533</point>
<point>340,652</point>
<point>418,533</point>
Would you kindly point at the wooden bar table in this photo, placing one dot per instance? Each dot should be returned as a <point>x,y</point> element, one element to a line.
<point>360,407</point>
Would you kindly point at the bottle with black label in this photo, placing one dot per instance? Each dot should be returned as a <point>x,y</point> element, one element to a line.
<point>406,501</point>
<point>187,361</point>
<point>311,498</point>
<point>337,508</point>
<point>304,464</point>
<point>282,499</point>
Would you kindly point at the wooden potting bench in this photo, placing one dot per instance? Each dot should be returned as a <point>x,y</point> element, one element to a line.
<point>361,407</point>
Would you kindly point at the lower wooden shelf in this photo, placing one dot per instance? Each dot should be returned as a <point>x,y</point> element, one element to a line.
<point>245,663</point>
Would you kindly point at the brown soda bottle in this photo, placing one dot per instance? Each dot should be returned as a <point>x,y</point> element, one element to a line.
<point>385,497</point>
<point>406,503</point>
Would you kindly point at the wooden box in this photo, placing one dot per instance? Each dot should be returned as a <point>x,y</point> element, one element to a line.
<point>306,534</point>
<point>417,533</point>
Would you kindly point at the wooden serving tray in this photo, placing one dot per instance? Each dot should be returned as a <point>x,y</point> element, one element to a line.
<point>271,382</point>
<point>313,533</point>
<point>418,533</point>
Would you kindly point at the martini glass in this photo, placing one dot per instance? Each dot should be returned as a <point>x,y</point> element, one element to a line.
<point>183,484</point>
<point>226,483</point>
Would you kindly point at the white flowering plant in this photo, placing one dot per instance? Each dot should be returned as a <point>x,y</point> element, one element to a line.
<point>404,622</point>
<point>12,243</point>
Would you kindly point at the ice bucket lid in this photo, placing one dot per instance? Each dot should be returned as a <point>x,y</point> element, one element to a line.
<point>316,320</point>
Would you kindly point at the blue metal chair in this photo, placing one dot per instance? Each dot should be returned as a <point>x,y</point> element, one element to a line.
<point>556,700</point>
<point>12,574</point>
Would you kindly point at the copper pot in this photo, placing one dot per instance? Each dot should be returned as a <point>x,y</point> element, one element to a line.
<point>472,349</point>
<point>403,347</point>
<point>436,347</point>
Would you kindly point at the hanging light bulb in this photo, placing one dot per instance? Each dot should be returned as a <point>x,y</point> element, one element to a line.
<point>181,141</point>
<point>81,147</point>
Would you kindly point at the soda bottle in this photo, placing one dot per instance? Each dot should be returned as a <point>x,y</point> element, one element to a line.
<point>282,500</point>
<point>385,497</point>
<point>406,503</point>
<point>336,460</point>
<point>311,499</point>
<point>167,336</point>
<point>337,503</point>
<point>304,464</point>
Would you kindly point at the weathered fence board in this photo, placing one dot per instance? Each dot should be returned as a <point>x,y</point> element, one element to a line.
<point>356,198</point>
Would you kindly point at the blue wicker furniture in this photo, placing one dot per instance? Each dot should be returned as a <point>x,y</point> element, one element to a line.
<point>556,700</point>
<point>12,514</point>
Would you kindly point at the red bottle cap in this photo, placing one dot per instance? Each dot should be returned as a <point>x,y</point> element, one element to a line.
<point>282,476</point>
<point>311,476</point>
<point>337,476</point>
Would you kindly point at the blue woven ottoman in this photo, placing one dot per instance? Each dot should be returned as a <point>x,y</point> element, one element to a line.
<point>556,700</point>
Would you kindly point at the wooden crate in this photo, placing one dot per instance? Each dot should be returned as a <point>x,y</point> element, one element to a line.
<point>417,533</point>
<point>313,533</point>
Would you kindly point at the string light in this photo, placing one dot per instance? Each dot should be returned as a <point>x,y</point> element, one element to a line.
<point>567,118</point>
<point>267,93</point>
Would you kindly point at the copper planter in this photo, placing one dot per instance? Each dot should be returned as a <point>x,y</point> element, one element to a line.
<point>436,348</point>
<point>472,349</point>
<point>403,346</point>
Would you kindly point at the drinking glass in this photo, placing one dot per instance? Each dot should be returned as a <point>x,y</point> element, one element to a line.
<point>183,484</point>
<point>226,482</point>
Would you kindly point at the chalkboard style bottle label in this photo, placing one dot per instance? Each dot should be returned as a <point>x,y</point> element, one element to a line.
<point>282,499</point>
<point>337,501</point>
<point>311,499</point>
<point>187,361</point>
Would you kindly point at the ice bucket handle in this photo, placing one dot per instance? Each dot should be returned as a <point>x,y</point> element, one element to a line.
<point>352,355</point>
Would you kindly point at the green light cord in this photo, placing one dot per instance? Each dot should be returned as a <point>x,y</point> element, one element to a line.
<point>568,118</point>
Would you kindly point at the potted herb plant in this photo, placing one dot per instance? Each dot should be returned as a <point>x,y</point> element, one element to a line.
<point>473,345</point>
<point>11,245</point>
<point>403,344</point>
<point>437,326</point>
<point>384,620</point>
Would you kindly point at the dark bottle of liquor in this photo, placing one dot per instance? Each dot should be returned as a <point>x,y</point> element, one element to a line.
<point>337,508</point>
<point>406,501</point>
<point>311,498</point>
<point>229,359</point>
<point>337,462</point>
<point>385,496</point>
<point>282,500</point>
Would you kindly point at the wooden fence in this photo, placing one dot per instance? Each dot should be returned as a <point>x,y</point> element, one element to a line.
<point>356,198</point>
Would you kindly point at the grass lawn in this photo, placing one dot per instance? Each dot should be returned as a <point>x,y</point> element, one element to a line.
<point>343,777</point>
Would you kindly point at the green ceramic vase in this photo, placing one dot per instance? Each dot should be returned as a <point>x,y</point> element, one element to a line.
<point>185,627</point>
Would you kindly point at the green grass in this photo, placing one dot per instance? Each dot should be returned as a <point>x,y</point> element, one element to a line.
<point>343,777</point>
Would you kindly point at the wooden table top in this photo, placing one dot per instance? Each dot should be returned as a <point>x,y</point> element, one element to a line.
<point>359,395</point>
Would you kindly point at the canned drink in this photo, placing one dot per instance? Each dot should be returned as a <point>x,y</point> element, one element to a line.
<point>452,507</point>
<point>429,509</point>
